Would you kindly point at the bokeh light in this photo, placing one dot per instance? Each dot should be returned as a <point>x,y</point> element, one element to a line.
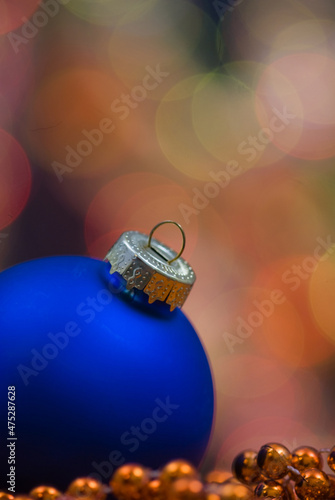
<point>257,321</point>
<point>71,127</point>
<point>214,236</point>
<point>16,79</point>
<point>176,136</point>
<point>150,199</point>
<point>305,35</point>
<point>162,38</point>
<point>253,376</point>
<point>253,31</point>
<point>292,275</point>
<point>221,117</point>
<point>15,14</point>
<point>224,116</point>
<point>322,288</point>
<point>299,88</point>
<point>286,218</point>
<point>107,12</point>
<point>15,179</point>
<point>265,22</point>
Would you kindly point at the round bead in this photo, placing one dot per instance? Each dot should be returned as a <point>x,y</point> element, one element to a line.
<point>314,485</point>
<point>306,457</point>
<point>273,459</point>
<point>45,493</point>
<point>212,495</point>
<point>177,469</point>
<point>153,490</point>
<point>245,468</point>
<point>331,459</point>
<point>332,487</point>
<point>270,489</point>
<point>86,488</point>
<point>5,496</point>
<point>218,476</point>
<point>186,489</point>
<point>129,482</point>
<point>232,490</point>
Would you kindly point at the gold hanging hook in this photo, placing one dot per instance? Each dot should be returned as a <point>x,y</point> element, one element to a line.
<point>181,230</point>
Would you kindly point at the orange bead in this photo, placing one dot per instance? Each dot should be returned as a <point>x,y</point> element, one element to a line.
<point>186,489</point>
<point>245,468</point>
<point>86,488</point>
<point>129,482</point>
<point>218,476</point>
<point>177,469</point>
<point>5,496</point>
<point>232,490</point>
<point>211,495</point>
<point>270,489</point>
<point>45,493</point>
<point>314,485</point>
<point>273,460</point>
<point>331,459</point>
<point>331,494</point>
<point>153,490</point>
<point>306,457</point>
<point>332,487</point>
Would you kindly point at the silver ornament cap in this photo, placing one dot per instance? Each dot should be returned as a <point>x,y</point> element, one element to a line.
<point>149,265</point>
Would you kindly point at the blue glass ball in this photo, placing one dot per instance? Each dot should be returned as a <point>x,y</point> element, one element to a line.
<point>101,376</point>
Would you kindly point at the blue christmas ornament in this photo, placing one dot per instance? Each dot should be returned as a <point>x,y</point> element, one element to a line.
<point>102,370</point>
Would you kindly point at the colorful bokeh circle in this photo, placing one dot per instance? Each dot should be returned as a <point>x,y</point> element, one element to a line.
<point>15,179</point>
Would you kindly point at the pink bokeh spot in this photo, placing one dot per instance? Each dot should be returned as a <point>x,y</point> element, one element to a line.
<point>15,14</point>
<point>15,179</point>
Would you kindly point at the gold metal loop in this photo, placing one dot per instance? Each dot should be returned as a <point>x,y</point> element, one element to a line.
<point>181,230</point>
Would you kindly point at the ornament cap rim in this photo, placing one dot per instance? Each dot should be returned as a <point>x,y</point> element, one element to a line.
<point>153,267</point>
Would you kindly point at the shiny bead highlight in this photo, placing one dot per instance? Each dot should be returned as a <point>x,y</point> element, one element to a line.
<point>245,468</point>
<point>45,493</point>
<point>314,485</point>
<point>306,457</point>
<point>129,482</point>
<point>273,459</point>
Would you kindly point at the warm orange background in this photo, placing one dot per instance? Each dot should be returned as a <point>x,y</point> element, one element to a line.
<point>115,115</point>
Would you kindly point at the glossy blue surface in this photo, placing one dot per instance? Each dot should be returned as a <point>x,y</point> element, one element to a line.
<point>101,378</point>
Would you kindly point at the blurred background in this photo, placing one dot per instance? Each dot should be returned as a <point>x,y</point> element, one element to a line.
<point>220,115</point>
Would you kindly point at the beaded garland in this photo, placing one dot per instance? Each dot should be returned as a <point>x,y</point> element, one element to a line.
<point>273,473</point>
